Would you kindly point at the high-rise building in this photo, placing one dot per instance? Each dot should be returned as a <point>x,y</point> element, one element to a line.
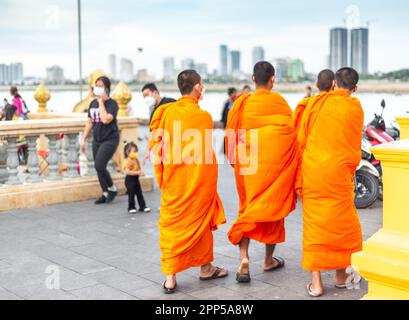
<point>112,66</point>
<point>359,50</point>
<point>55,75</point>
<point>11,74</point>
<point>338,48</point>
<point>187,63</point>
<point>4,74</point>
<point>296,70</point>
<point>258,54</point>
<point>127,73</point>
<point>16,73</point>
<point>281,68</point>
<point>224,60</point>
<point>235,57</point>
<point>169,71</point>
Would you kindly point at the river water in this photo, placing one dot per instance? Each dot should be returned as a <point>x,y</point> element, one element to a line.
<point>64,101</point>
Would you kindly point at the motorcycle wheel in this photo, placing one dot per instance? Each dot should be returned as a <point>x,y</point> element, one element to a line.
<point>366,189</point>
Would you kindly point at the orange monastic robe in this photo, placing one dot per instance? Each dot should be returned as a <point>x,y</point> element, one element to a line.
<point>266,194</point>
<point>186,170</point>
<point>298,113</point>
<point>330,140</point>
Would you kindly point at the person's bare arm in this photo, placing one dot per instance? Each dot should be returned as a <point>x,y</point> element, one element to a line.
<point>132,173</point>
<point>87,130</point>
<point>106,117</point>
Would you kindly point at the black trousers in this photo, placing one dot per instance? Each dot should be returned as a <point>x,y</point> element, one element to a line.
<point>103,153</point>
<point>133,186</point>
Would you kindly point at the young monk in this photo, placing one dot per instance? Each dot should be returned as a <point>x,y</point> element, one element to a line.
<point>266,192</point>
<point>325,83</point>
<point>186,170</point>
<point>330,139</point>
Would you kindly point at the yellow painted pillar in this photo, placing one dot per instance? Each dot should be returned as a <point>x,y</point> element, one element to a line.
<point>384,260</point>
<point>42,96</point>
<point>404,127</point>
<point>122,95</point>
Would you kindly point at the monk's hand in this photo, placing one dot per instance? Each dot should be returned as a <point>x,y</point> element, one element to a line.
<point>141,174</point>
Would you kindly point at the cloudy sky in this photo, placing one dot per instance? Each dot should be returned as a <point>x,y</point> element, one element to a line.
<point>42,33</point>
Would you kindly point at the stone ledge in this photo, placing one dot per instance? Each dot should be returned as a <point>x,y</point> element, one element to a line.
<point>65,191</point>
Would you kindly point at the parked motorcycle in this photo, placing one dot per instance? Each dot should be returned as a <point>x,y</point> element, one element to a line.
<point>368,179</point>
<point>376,131</point>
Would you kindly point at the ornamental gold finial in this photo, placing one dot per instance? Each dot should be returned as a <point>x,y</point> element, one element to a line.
<point>42,96</point>
<point>122,95</point>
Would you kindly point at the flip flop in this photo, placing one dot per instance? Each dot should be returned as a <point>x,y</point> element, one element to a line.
<point>280,264</point>
<point>311,293</point>
<point>169,290</point>
<point>243,277</point>
<point>215,275</point>
<point>345,285</point>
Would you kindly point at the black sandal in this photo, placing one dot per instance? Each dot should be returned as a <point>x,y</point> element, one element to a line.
<point>243,277</point>
<point>169,290</point>
<point>281,264</point>
<point>216,274</point>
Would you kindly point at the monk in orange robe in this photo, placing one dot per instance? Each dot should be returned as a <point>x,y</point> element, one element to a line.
<point>260,125</point>
<point>330,140</point>
<point>186,170</point>
<point>325,83</point>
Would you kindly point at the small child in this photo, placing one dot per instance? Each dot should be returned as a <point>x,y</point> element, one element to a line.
<point>132,169</point>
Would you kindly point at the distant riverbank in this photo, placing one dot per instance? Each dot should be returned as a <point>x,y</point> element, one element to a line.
<point>364,87</point>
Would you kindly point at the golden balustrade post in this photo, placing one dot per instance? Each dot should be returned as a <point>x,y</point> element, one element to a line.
<point>404,126</point>
<point>384,260</point>
<point>122,95</point>
<point>42,96</point>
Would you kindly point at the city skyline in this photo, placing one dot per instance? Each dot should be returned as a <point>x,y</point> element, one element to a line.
<point>289,34</point>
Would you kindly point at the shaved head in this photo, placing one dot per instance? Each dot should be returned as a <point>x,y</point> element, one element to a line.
<point>263,72</point>
<point>187,80</point>
<point>325,80</point>
<point>347,78</point>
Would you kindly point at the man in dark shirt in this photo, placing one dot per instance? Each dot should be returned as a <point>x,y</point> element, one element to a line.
<point>153,98</point>
<point>232,92</point>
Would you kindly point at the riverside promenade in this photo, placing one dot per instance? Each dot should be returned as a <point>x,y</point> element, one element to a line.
<point>102,252</point>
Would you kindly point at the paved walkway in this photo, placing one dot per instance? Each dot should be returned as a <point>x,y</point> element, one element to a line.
<point>104,253</point>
